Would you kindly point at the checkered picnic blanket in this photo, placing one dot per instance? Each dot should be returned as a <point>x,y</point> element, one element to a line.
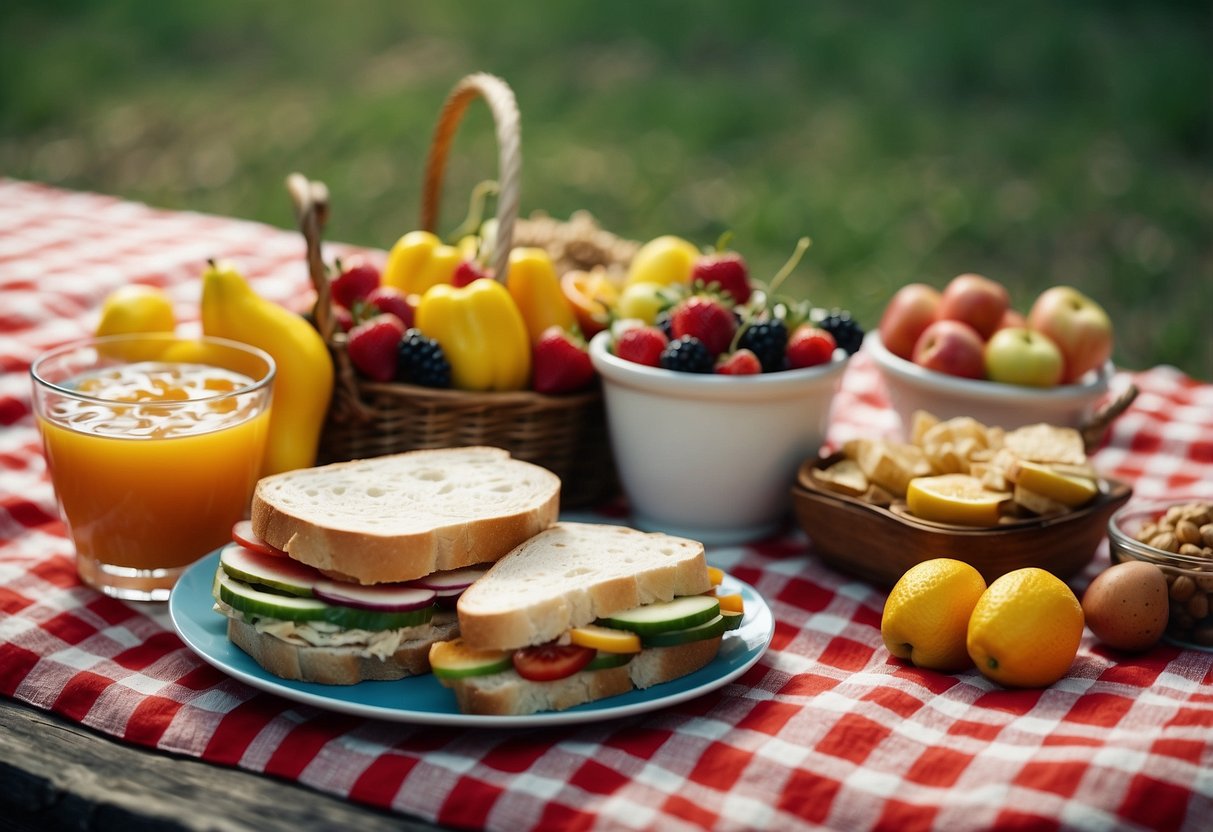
<point>826,730</point>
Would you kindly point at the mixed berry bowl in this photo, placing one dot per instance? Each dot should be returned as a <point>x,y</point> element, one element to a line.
<point>710,456</point>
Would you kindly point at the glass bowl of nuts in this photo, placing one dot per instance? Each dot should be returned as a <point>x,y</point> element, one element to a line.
<point>1175,534</point>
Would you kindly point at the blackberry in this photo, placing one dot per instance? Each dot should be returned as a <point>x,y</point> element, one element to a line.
<point>420,360</point>
<point>767,339</point>
<point>847,332</point>
<point>687,355</point>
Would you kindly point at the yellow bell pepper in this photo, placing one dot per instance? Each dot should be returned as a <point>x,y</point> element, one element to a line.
<point>533,284</point>
<point>420,260</point>
<point>481,332</point>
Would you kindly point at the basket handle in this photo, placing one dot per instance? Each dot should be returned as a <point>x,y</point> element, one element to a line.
<point>500,99</point>
<point>311,201</point>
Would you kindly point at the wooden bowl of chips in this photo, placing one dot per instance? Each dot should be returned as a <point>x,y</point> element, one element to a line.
<point>853,506</point>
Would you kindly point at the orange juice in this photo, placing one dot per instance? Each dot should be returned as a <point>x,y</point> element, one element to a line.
<point>152,463</point>
<point>157,484</point>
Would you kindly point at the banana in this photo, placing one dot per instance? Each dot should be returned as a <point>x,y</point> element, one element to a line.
<point>304,383</point>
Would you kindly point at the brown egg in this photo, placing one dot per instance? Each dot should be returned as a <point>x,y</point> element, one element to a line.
<point>1126,605</point>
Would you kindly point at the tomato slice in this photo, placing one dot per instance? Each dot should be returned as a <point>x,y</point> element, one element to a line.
<point>551,661</point>
<point>243,534</point>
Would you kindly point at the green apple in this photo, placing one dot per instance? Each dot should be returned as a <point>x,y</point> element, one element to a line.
<point>1018,355</point>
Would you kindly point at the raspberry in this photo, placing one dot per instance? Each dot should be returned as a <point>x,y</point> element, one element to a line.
<point>687,355</point>
<point>847,332</point>
<point>767,339</point>
<point>420,360</point>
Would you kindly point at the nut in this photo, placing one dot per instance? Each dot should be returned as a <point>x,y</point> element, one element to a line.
<point>1182,589</point>
<point>1165,541</point>
<point>1191,550</point>
<point>1198,606</point>
<point>1187,532</point>
<point>1204,583</point>
<point>1206,534</point>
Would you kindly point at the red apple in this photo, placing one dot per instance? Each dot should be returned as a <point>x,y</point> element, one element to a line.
<point>951,347</point>
<point>910,311</point>
<point>1017,355</point>
<point>976,301</point>
<point>1078,325</point>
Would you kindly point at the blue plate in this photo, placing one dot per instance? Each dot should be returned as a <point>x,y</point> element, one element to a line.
<point>421,699</point>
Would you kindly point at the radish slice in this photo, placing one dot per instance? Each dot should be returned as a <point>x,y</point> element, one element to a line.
<point>243,534</point>
<point>273,571</point>
<point>379,597</point>
<point>451,582</point>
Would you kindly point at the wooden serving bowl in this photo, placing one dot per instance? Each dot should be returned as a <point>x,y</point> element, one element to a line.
<point>879,544</point>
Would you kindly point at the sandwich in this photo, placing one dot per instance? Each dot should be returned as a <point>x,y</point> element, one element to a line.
<point>581,612</point>
<point>350,571</point>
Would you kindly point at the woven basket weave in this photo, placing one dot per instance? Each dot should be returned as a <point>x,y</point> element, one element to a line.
<point>566,434</point>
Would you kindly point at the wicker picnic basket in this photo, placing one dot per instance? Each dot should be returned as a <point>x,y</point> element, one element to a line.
<point>566,434</point>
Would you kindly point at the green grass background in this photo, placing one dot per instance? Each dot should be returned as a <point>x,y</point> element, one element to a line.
<point>1034,142</point>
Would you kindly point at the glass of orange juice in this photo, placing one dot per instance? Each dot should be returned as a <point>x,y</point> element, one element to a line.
<point>154,443</point>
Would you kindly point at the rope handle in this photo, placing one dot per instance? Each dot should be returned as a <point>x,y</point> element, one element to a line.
<point>501,102</point>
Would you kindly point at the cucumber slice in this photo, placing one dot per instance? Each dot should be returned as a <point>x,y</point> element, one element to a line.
<point>270,571</point>
<point>257,602</point>
<point>252,601</point>
<point>602,661</point>
<point>732,620</point>
<point>455,660</point>
<point>700,632</point>
<point>679,614</point>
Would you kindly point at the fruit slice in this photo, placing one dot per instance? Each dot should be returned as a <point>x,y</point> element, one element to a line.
<point>243,534</point>
<point>730,601</point>
<point>715,575</point>
<point>954,498</point>
<point>679,614</point>
<point>671,638</point>
<point>604,661</point>
<point>604,639</point>
<point>378,597</point>
<point>271,571</point>
<point>548,662</point>
<point>1066,489</point>
<point>455,660</point>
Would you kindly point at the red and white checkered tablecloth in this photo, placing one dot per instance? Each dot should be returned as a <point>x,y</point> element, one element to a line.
<point>825,731</point>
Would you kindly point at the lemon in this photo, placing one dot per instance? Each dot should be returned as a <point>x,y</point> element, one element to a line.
<point>664,260</point>
<point>926,616</point>
<point>1025,629</point>
<point>1064,488</point>
<point>136,308</point>
<point>954,498</point>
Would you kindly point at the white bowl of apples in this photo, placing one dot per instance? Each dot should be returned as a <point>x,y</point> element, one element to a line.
<point>965,352</point>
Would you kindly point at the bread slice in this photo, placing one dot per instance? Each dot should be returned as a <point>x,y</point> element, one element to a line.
<point>403,516</point>
<point>507,693</point>
<point>571,574</point>
<point>337,665</point>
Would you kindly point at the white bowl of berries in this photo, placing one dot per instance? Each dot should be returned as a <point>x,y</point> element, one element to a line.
<point>706,443</point>
<point>966,352</point>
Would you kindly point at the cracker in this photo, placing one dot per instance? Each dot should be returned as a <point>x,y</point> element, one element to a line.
<point>1047,444</point>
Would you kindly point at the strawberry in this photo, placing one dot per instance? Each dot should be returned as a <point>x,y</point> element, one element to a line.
<point>388,299</point>
<point>809,346</point>
<point>741,362</point>
<point>726,269</point>
<point>373,344</point>
<point>641,344</point>
<point>354,282</point>
<point>561,363</point>
<point>706,319</point>
<point>466,272</point>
